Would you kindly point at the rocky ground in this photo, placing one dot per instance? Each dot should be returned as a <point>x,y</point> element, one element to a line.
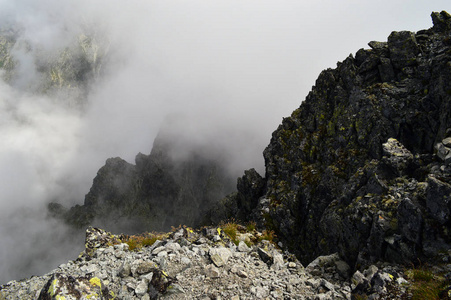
<point>204,264</point>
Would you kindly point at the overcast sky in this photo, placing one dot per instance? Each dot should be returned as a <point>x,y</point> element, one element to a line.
<point>235,68</point>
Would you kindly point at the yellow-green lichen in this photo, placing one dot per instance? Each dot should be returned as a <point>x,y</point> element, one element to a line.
<point>51,289</point>
<point>95,281</point>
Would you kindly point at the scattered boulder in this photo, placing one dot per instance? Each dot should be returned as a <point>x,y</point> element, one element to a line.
<point>61,286</point>
<point>444,150</point>
<point>396,156</point>
<point>376,283</point>
<point>220,255</point>
<point>329,264</point>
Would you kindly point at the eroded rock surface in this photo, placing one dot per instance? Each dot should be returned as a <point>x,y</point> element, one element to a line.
<point>362,167</point>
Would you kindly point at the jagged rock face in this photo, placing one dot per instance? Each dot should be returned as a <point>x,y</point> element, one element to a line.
<point>68,71</point>
<point>158,192</point>
<point>353,169</point>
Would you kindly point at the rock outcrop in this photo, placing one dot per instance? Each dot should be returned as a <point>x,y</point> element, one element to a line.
<point>361,168</point>
<point>161,190</point>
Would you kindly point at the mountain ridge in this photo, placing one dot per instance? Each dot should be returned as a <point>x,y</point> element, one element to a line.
<point>365,134</point>
<point>358,176</point>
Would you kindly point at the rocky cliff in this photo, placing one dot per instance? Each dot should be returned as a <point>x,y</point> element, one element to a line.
<point>362,166</point>
<point>177,183</point>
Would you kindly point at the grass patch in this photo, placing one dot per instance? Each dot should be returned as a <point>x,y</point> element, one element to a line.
<point>251,226</point>
<point>422,275</point>
<point>268,235</point>
<point>427,286</point>
<point>137,242</point>
<point>233,229</point>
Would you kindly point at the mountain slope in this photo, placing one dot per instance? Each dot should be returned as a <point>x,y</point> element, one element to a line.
<point>175,184</point>
<point>360,168</point>
<point>353,170</point>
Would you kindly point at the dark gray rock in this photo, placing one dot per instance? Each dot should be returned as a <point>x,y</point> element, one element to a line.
<point>379,281</point>
<point>343,268</point>
<point>438,199</point>
<point>396,156</point>
<point>386,71</point>
<point>403,49</point>
<point>442,21</point>
<point>443,152</point>
<point>375,45</point>
<point>352,170</point>
<point>265,256</point>
<point>410,221</point>
<point>250,187</point>
<point>346,171</point>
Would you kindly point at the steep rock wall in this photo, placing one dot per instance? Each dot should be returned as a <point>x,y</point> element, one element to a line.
<point>332,185</point>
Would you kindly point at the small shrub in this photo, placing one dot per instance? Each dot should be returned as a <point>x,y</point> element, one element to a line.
<point>359,296</point>
<point>426,285</point>
<point>422,275</point>
<point>132,244</point>
<point>149,241</point>
<point>174,229</point>
<point>137,242</point>
<point>251,226</point>
<point>230,228</point>
<point>268,235</point>
<point>429,291</point>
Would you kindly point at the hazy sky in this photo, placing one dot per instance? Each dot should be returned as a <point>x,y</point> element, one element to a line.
<point>235,68</point>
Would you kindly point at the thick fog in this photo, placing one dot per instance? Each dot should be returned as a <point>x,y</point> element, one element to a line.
<point>230,69</point>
